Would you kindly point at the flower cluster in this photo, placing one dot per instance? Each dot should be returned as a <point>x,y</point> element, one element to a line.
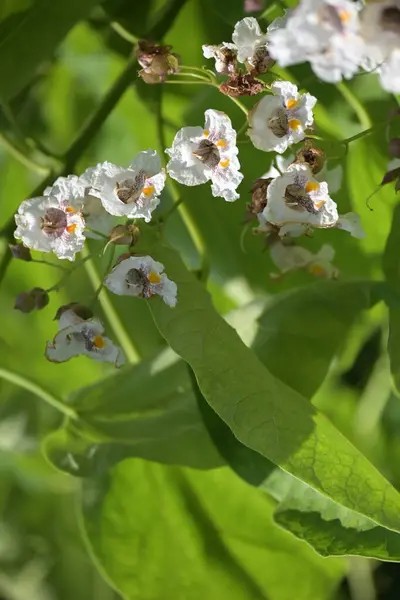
<point>340,37</point>
<point>108,201</point>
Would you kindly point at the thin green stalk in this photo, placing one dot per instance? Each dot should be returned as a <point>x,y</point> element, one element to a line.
<point>124,33</point>
<point>212,84</point>
<point>99,233</point>
<point>49,264</point>
<point>38,391</point>
<point>25,160</point>
<point>356,105</point>
<point>131,352</point>
<point>165,216</point>
<point>358,135</point>
<point>68,273</point>
<point>108,269</point>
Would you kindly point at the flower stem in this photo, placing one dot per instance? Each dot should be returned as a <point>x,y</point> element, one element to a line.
<point>49,264</point>
<point>68,272</point>
<point>99,233</point>
<point>123,33</point>
<point>25,160</point>
<point>38,391</point>
<point>165,216</point>
<point>108,269</point>
<point>355,104</point>
<point>131,352</point>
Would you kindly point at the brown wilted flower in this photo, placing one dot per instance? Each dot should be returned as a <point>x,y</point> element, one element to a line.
<point>258,196</point>
<point>80,310</point>
<point>394,147</point>
<point>20,252</point>
<point>312,156</point>
<point>35,299</point>
<point>156,61</point>
<point>242,85</point>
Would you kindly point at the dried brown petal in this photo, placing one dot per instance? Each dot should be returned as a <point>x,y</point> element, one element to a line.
<point>242,85</point>
<point>313,157</point>
<point>80,310</point>
<point>259,195</point>
<point>394,147</point>
<point>41,297</point>
<point>391,176</point>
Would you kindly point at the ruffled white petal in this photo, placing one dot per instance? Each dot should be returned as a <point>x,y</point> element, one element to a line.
<point>83,338</point>
<point>144,172</point>
<point>184,166</point>
<point>351,222</point>
<point>118,280</point>
<point>247,36</point>
<point>291,257</point>
<point>279,213</point>
<point>68,241</point>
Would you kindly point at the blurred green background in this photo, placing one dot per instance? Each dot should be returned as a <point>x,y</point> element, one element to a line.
<point>42,556</point>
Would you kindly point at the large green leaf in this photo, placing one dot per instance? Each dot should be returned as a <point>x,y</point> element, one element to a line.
<point>391,267</point>
<point>147,411</point>
<point>262,412</point>
<point>301,331</point>
<point>34,38</point>
<point>168,533</point>
<point>329,528</point>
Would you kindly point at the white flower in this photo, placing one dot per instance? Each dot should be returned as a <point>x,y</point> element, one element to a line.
<point>199,155</point>
<point>351,222</point>
<point>83,337</point>
<point>323,32</point>
<point>333,177</point>
<point>250,42</point>
<point>280,120</point>
<point>249,47</point>
<point>49,225</point>
<point>224,56</point>
<point>291,257</point>
<point>297,202</point>
<point>131,192</point>
<point>73,190</point>
<point>141,276</point>
<point>380,29</point>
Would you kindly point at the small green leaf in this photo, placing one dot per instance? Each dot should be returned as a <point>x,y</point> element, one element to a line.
<point>167,532</point>
<point>262,412</point>
<point>34,38</point>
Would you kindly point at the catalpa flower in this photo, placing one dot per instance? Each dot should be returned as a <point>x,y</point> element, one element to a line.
<point>333,176</point>
<point>280,120</point>
<point>323,32</point>
<point>380,29</point>
<point>249,47</point>
<point>84,337</point>
<point>298,203</point>
<point>291,257</point>
<point>73,191</point>
<point>143,277</point>
<point>199,155</point>
<point>131,192</point>
<point>49,225</point>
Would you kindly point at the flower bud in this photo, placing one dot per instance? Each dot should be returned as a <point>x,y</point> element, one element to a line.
<point>156,61</point>
<point>242,85</point>
<point>20,251</point>
<point>35,299</point>
<point>394,147</point>
<point>313,157</point>
<point>80,310</point>
<point>125,235</point>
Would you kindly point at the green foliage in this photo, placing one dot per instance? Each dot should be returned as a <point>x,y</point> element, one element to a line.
<point>256,405</point>
<point>146,522</point>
